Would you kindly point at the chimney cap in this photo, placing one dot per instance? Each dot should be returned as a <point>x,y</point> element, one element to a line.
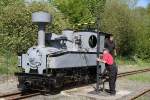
<point>41,17</point>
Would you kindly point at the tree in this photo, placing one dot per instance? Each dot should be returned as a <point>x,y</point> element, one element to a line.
<point>129,24</point>
<point>143,35</point>
<point>76,11</point>
<point>130,3</point>
<point>118,20</point>
<point>17,31</point>
<point>96,8</point>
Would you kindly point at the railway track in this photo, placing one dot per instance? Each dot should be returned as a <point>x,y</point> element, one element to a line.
<point>124,74</point>
<point>140,94</point>
<point>132,72</point>
<point>18,95</point>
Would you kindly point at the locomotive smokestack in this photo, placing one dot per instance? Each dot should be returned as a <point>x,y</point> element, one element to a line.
<point>41,19</point>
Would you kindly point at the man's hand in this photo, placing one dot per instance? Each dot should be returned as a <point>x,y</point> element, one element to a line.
<point>100,60</point>
<point>97,59</point>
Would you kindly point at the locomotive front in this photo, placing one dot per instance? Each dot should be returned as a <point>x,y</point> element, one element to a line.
<point>34,62</point>
<point>33,59</point>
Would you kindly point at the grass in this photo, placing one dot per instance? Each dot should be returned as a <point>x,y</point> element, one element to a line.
<point>8,63</point>
<point>143,77</point>
<point>132,61</point>
<point>143,98</point>
<point>137,64</point>
<point>124,61</point>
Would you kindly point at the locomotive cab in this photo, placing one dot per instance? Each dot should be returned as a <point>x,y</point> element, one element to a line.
<point>59,42</point>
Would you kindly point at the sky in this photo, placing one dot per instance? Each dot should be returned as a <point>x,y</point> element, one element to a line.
<point>143,3</point>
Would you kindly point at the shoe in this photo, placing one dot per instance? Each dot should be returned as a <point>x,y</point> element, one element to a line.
<point>112,93</point>
<point>107,90</point>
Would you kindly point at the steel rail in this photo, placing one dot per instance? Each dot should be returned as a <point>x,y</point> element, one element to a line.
<point>17,95</point>
<point>140,94</point>
<point>133,72</point>
<point>9,94</point>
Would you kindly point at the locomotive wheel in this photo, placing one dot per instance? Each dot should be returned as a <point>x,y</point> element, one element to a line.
<point>22,86</point>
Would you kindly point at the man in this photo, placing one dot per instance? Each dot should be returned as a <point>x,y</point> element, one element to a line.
<point>111,68</point>
<point>110,45</point>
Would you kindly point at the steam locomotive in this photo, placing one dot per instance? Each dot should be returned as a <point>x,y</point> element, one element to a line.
<point>58,59</point>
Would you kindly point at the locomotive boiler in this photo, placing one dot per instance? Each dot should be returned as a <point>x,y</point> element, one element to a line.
<point>58,59</point>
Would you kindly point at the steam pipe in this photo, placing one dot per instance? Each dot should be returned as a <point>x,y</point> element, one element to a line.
<point>41,36</point>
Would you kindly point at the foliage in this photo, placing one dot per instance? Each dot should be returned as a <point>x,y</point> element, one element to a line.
<point>8,63</point>
<point>17,31</point>
<point>77,12</point>
<point>142,47</point>
<point>118,20</point>
<point>129,24</point>
<point>96,8</point>
<point>83,11</point>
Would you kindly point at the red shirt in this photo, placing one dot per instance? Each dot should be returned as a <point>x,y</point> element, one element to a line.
<point>108,58</point>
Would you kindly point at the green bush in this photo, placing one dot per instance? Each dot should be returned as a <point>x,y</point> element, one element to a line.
<point>76,12</point>
<point>8,62</point>
<point>129,26</point>
<point>17,31</point>
<point>142,48</point>
<point>118,20</point>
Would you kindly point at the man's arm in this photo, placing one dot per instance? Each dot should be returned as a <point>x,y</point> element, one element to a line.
<point>100,60</point>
